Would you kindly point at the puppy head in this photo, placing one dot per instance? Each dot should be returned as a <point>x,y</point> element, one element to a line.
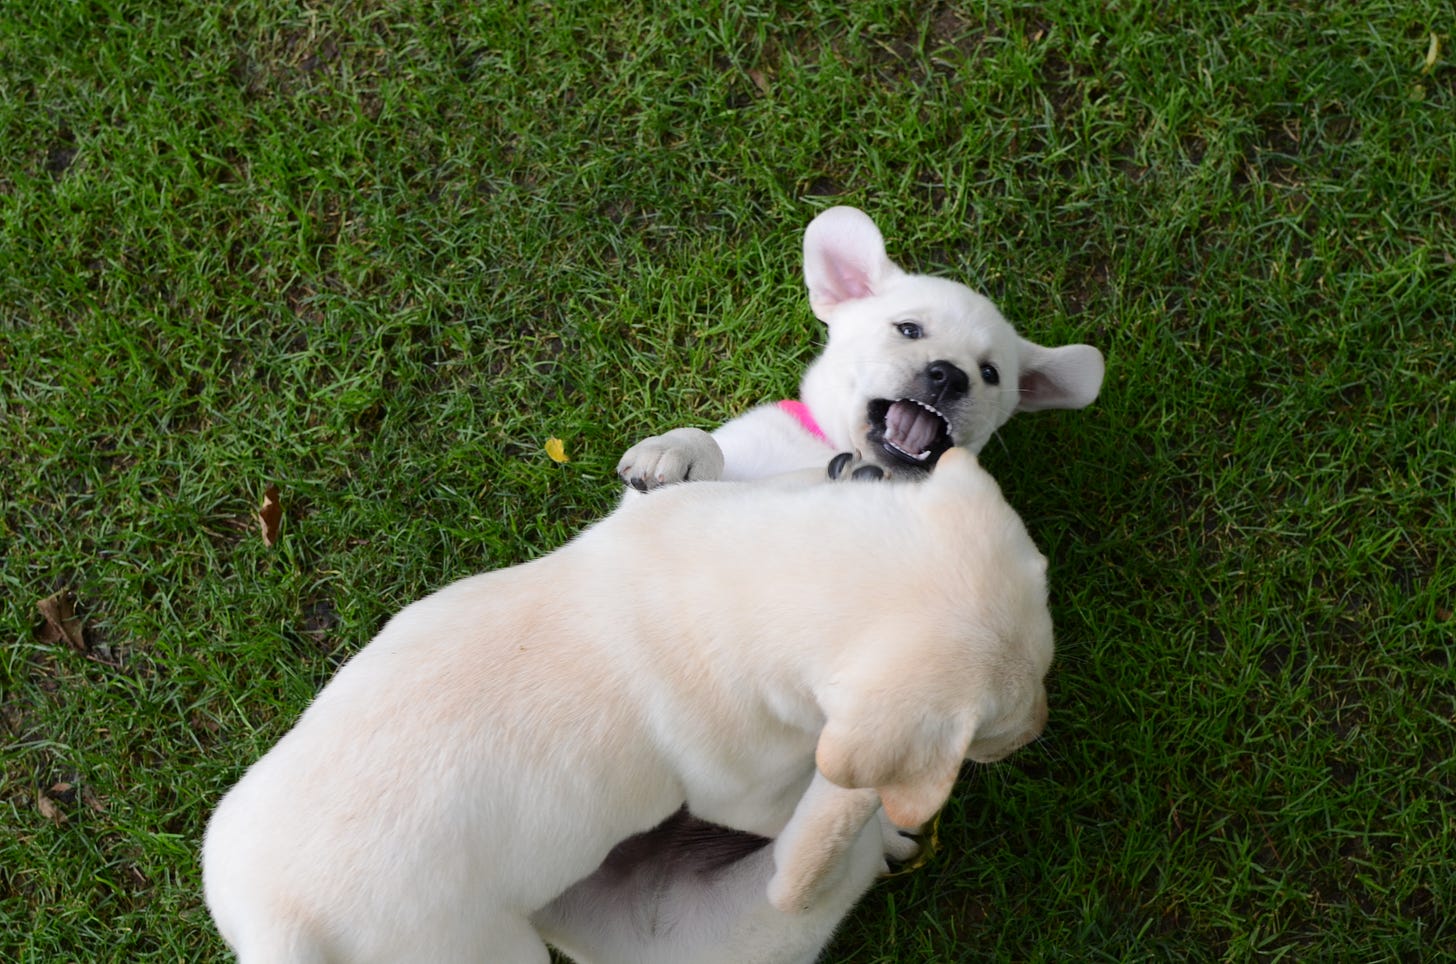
<point>957,670</point>
<point>916,364</point>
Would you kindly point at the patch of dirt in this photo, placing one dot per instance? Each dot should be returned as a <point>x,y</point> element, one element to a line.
<point>319,621</point>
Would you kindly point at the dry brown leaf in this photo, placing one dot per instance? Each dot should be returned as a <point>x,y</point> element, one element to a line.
<point>93,802</point>
<point>270,514</point>
<point>49,810</point>
<point>61,621</point>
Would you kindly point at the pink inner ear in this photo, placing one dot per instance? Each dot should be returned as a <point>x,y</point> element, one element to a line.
<point>1034,385</point>
<point>1038,391</point>
<point>1065,377</point>
<point>851,281</point>
<point>842,279</point>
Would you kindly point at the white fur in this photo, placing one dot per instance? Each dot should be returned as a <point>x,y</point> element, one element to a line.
<point>863,297</point>
<point>782,659</point>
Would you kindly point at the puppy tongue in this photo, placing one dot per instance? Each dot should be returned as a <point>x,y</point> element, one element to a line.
<point>910,428</point>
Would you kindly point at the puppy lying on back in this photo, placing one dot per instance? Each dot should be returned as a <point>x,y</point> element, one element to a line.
<point>781,659</point>
<point>913,366</point>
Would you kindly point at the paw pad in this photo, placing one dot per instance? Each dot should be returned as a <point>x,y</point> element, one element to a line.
<point>848,462</point>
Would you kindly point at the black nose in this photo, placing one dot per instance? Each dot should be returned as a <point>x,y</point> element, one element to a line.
<point>946,380</point>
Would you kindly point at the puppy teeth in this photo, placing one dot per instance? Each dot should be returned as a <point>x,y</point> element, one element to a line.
<point>919,458</point>
<point>911,430</point>
<point>931,409</point>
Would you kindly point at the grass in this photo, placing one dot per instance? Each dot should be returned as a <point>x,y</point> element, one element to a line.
<point>376,253</point>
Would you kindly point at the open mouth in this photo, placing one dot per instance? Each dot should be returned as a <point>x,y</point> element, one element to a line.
<point>910,432</point>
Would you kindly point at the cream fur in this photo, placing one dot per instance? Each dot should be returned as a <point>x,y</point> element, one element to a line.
<point>484,753</point>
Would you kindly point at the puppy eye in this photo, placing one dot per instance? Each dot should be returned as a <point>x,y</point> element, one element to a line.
<point>990,375</point>
<point>910,330</point>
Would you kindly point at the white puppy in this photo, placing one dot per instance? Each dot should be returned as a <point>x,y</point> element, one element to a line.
<point>780,659</point>
<point>913,365</point>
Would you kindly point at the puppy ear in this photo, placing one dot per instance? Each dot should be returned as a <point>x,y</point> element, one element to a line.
<point>909,754</point>
<point>844,259</point>
<point>1065,377</point>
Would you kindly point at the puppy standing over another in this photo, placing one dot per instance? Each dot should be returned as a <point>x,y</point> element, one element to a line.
<point>913,365</point>
<point>724,647</point>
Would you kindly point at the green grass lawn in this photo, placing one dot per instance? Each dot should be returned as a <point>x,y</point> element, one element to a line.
<point>376,253</point>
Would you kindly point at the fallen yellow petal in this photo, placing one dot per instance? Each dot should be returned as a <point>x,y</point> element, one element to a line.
<point>929,844</point>
<point>1432,52</point>
<point>556,449</point>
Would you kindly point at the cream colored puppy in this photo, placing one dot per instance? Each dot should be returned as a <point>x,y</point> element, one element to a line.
<point>781,659</point>
<point>913,366</point>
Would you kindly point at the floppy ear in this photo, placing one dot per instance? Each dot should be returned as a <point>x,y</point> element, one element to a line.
<point>910,755</point>
<point>844,259</point>
<point>1065,377</point>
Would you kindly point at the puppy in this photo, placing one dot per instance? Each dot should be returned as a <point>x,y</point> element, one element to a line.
<point>913,365</point>
<point>780,659</point>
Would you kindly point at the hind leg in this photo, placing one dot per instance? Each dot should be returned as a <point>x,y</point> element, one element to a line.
<point>811,852</point>
<point>681,894</point>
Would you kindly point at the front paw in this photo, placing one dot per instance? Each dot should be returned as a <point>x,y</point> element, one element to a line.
<point>900,845</point>
<point>848,466</point>
<point>681,455</point>
<point>812,853</point>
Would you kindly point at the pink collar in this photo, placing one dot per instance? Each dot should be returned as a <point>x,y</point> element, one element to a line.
<point>801,412</point>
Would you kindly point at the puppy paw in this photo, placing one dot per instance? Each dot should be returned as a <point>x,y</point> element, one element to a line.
<point>900,845</point>
<point>817,849</point>
<point>905,850</point>
<point>847,466</point>
<point>681,455</point>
